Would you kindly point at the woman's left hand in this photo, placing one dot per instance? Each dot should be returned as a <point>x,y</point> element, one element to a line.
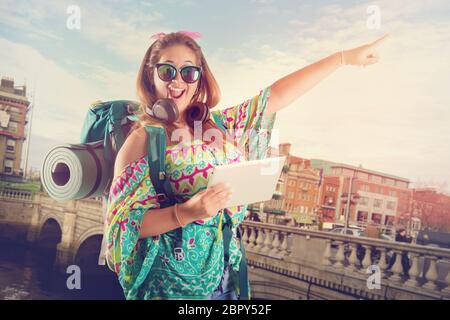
<point>363,55</point>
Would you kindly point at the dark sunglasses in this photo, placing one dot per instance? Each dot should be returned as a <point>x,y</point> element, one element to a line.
<point>167,72</point>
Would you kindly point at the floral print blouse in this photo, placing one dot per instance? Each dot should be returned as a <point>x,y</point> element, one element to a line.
<point>157,267</point>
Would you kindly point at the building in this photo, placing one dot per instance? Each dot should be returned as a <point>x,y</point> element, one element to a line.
<point>13,119</point>
<point>300,187</point>
<point>374,196</point>
<point>432,209</point>
<point>328,198</point>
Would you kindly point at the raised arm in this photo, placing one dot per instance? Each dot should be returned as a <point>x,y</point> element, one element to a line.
<point>289,88</point>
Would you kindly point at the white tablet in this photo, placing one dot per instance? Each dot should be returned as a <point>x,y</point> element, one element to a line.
<point>251,181</point>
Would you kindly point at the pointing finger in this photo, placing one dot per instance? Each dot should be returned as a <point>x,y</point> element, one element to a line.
<point>379,41</point>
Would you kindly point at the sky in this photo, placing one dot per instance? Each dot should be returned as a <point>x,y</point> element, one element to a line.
<point>391,117</point>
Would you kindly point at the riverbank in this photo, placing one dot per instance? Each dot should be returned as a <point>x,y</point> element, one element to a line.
<point>27,273</point>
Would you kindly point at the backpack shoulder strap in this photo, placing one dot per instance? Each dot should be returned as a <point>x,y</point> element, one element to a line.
<point>218,121</point>
<point>156,144</point>
<point>156,158</point>
<point>243,272</point>
<point>244,292</point>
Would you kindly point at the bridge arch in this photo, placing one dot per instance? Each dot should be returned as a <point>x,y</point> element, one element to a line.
<point>98,281</point>
<point>46,218</point>
<point>95,231</point>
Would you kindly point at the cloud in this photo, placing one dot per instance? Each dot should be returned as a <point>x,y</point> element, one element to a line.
<point>391,117</point>
<point>28,17</point>
<point>126,33</point>
<point>58,92</point>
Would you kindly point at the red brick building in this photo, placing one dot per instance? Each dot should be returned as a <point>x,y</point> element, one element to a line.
<point>328,198</point>
<point>300,187</point>
<point>379,197</point>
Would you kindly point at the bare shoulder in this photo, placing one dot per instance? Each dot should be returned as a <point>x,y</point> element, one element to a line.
<point>133,149</point>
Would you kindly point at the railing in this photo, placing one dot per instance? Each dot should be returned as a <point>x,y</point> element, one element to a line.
<point>347,255</point>
<point>14,194</point>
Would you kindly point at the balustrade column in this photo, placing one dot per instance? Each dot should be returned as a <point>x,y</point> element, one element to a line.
<point>446,290</point>
<point>432,274</point>
<point>251,240</point>
<point>353,262</point>
<point>245,230</point>
<point>275,243</point>
<point>340,255</point>
<point>259,239</point>
<point>413,271</point>
<point>382,264</point>
<point>367,260</point>
<point>397,268</point>
<point>284,245</point>
<point>267,245</point>
<point>327,254</point>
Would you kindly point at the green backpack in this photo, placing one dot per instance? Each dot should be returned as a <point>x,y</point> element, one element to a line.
<point>111,122</point>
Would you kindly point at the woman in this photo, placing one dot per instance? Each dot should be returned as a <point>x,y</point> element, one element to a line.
<point>140,235</point>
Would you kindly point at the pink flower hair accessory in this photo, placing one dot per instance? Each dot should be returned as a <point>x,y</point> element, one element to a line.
<point>191,34</point>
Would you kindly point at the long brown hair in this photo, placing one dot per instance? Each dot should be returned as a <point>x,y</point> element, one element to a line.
<point>208,92</point>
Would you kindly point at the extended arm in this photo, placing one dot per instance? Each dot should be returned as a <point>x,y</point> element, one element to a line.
<point>289,88</point>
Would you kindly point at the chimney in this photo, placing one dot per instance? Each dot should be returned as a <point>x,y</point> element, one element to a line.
<point>284,149</point>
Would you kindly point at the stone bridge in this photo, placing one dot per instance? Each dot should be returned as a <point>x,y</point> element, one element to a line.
<point>68,226</point>
<point>284,262</point>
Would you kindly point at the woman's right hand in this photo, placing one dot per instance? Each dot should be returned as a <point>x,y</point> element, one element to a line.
<point>206,203</point>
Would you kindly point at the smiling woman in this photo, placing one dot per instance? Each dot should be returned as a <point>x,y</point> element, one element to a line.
<point>175,250</point>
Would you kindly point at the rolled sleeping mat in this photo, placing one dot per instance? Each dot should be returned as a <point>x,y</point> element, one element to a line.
<point>76,171</point>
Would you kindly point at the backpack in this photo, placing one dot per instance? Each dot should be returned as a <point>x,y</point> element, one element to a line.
<point>111,122</point>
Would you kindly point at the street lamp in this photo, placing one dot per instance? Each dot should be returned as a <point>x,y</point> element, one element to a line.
<point>349,201</point>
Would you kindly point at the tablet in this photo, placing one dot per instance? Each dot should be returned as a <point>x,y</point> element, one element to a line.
<point>251,181</point>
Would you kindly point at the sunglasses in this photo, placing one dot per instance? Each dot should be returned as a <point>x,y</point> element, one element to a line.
<point>167,72</point>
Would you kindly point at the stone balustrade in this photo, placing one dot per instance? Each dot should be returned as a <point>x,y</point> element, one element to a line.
<point>285,262</point>
<point>15,194</point>
<point>341,262</point>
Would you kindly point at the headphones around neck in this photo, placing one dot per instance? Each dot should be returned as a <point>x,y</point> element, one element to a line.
<point>167,111</point>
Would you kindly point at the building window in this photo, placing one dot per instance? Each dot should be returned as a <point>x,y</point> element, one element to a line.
<point>378,203</point>
<point>363,176</point>
<point>364,201</point>
<point>11,145</point>
<point>401,184</point>
<point>376,218</point>
<point>393,193</point>
<point>362,216</point>
<point>389,220</point>
<point>291,195</point>
<point>390,205</point>
<point>365,187</point>
<point>13,126</point>
<point>9,166</point>
<point>292,183</point>
<point>329,201</point>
